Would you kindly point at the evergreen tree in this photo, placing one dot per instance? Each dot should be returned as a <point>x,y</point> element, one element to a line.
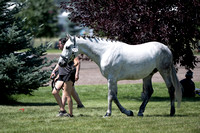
<point>43,14</point>
<point>21,72</point>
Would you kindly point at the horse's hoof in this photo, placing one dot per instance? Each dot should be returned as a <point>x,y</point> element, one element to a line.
<point>172,111</point>
<point>107,115</point>
<point>140,114</point>
<point>130,113</point>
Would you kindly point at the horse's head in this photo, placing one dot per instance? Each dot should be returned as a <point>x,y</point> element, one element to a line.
<point>70,51</point>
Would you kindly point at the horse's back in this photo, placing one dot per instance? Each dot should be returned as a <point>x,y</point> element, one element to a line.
<point>150,51</point>
<point>145,48</point>
<point>135,61</point>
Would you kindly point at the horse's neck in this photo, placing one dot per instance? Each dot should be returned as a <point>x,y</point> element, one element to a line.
<point>92,49</point>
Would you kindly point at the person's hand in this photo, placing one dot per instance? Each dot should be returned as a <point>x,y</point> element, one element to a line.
<point>56,77</point>
<point>52,75</point>
<point>76,77</point>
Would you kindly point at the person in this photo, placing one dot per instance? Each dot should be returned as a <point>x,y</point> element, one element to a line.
<point>188,85</point>
<point>65,79</point>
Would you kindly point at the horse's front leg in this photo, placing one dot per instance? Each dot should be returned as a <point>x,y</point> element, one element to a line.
<point>112,95</point>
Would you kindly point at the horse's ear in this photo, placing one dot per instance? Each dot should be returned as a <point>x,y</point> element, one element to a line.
<point>69,37</point>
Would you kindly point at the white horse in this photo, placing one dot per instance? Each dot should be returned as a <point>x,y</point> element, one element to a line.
<point>120,61</point>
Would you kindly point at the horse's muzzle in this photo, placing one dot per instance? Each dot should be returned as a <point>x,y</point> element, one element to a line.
<point>64,62</point>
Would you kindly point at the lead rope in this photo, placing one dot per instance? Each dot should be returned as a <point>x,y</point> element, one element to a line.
<point>54,82</point>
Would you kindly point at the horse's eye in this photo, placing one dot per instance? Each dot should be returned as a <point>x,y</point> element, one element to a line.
<point>67,47</point>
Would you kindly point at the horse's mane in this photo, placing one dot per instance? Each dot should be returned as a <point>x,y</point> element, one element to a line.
<point>97,39</point>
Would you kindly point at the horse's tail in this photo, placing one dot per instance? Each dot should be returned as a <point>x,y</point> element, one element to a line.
<point>177,85</point>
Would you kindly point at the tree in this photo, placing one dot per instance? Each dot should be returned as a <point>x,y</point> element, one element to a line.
<point>174,23</point>
<point>21,72</point>
<point>41,14</point>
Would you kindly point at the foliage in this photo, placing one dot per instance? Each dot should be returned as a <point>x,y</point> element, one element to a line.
<point>40,112</point>
<point>174,23</point>
<point>41,17</point>
<point>21,72</point>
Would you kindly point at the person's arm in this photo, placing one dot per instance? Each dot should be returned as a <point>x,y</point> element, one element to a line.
<point>54,70</point>
<point>77,65</point>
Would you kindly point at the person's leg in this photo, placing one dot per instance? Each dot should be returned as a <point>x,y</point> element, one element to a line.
<point>64,98</point>
<point>76,98</point>
<point>55,92</point>
<point>67,93</point>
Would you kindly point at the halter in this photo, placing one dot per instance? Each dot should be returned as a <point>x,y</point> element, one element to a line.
<point>66,59</point>
<point>73,53</point>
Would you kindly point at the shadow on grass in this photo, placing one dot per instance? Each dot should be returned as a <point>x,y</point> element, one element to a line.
<point>16,103</point>
<point>9,100</point>
<point>191,99</point>
<point>35,104</point>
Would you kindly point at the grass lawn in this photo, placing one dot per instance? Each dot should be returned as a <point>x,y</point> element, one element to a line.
<point>40,112</point>
<point>54,51</point>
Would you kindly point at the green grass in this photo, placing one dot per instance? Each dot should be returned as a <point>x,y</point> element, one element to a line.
<point>50,51</point>
<point>39,41</point>
<point>40,112</point>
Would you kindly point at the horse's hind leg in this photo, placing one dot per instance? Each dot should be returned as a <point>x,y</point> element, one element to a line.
<point>167,78</point>
<point>148,91</point>
<point>112,95</point>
